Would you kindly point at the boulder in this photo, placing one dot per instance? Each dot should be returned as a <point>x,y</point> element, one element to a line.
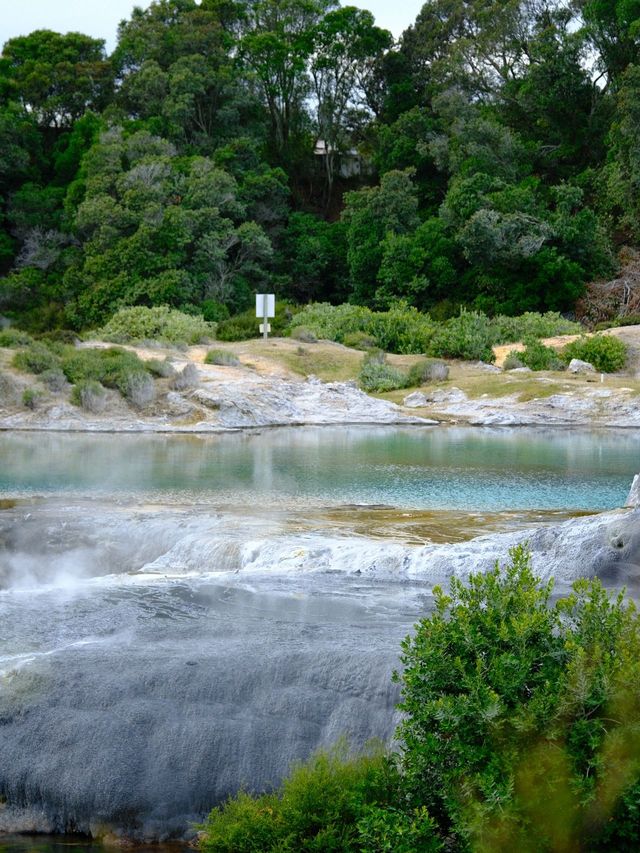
<point>577,366</point>
<point>415,400</point>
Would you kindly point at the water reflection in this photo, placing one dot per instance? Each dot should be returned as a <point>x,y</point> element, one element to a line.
<point>448,468</point>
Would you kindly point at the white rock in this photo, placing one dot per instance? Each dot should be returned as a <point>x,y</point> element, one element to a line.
<point>633,500</point>
<point>415,400</point>
<point>577,366</point>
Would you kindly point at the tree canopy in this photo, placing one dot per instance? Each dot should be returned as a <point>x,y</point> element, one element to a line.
<point>487,158</point>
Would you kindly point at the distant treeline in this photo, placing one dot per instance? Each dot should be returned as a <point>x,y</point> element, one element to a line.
<point>488,159</point>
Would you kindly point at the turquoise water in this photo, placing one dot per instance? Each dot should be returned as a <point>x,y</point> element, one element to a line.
<point>442,468</point>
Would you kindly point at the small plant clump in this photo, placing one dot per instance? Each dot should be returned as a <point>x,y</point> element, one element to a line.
<point>304,335</point>
<point>513,361</point>
<point>139,389</point>
<point>606,353</point>
<point>429,370</point>
<point>163,369</point>
<point>221,357</point>
<point>31,397</point>
<point>377,376</point>
<point>54,379</point>
<point>90,395</point>
<point>186,379</point>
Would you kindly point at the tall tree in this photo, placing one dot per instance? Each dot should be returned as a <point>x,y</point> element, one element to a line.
<point>346,46</point>
<point>276,47</point>
<point>55,78</point>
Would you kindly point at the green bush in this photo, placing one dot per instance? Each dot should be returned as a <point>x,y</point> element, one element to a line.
<point>376,376</point>
<point>89,395</point>
<point>469,336</point>
<point>508,330</point>
<point>536,356</point>
<point>35,359</point>
<point>214,312</point>
<point>10,390</point>
<point>360,340</point>
<point>131,325</point>
<point>605,352</point>
<point>317,808</point>
<point>429,370</point>
<point>402,329</point>
<point>221,357</point>
<point>13,338</point>
<point>334,322</point>
<point>520,716</point>
<point>110,367</point>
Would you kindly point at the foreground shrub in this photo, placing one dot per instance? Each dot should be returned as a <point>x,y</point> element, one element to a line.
<point>317,808</point>
<point>537,356</point>
<point>37,358</point>
<point>521,718</point>
<point>89,395</point>
<point>429,370</point>
<point>222,358</point>
<point>131,325</point>
<point>376,376</point>
<point>605,352</point>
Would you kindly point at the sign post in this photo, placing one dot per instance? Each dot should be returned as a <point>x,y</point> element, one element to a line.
<point>265,308</point>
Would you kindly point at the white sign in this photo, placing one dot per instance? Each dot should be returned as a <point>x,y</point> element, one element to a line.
<point>265,305</point>
<point>262,328</point>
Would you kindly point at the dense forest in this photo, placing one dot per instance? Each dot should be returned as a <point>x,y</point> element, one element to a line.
<point>488,158</point>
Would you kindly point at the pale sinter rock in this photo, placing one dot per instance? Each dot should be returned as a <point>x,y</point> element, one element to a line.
<point>415,400</point>
<point>633,498</point>
<point>578,366</point>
